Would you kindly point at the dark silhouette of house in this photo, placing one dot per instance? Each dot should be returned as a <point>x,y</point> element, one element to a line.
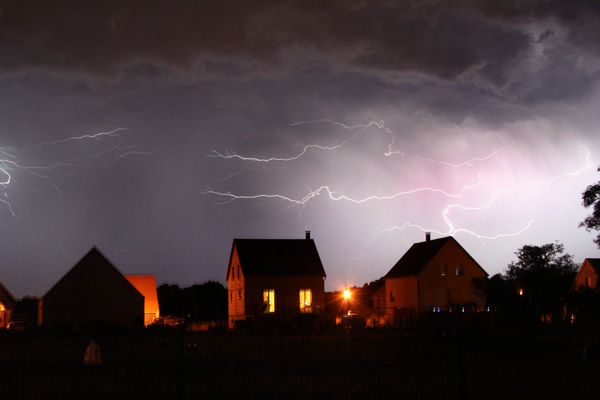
<point>7,305</point>
<point>93,291</point>
<point>587,276</point>
<point>274,280</point>
<point>434,275</point>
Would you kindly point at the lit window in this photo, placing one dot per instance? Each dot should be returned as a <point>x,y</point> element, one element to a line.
<point>460,270</point>
<point>239,294</point>
<point>305,300</point>
<point>269,300</point>
<point>588,281</point>
<point>392,297</point>
<point>444,270</point>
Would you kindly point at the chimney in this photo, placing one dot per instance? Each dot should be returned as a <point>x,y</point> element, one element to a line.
<point>307,235</point>
<point>427,236</point>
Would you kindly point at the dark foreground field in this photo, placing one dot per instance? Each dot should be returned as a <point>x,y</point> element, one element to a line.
<point>340,365</point>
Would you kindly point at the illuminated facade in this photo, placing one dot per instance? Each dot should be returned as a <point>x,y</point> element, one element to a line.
<point>274,280</point>
<point>587,276</point>
<point>434,275</point>
<point>7,304</point>
<point>146,285</point>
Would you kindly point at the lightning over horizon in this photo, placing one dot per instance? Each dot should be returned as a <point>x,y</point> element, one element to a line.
<point>15,162</point>
<point>462,202</point>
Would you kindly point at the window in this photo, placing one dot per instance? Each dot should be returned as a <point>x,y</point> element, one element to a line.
<point>460,270</point>
<point>239,294</point>
<point>588,281</point>
<point>269,300</point>
<point>392,297</point>
<point>444,270</point>
<point>305,300</point>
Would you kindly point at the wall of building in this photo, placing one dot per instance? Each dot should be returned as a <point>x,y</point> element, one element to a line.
<point>436,290</point>
<point>402,296</point>
<point>287,295</point>
<point>586,277</point>
<point>235,291</point>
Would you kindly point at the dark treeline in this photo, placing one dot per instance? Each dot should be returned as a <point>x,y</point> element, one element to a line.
<point>200,302</point>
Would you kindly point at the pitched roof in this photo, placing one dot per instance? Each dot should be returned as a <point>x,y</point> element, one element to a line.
<point>419,255</point>
<point>94,268</point>
<point>278,257</point>
<point>595,263</point>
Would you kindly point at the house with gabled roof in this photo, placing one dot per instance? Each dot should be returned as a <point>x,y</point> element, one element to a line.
<point>587,276</point>
<point>434,275</point>
<point>274,280</point>
<point>7,305</point>
<point>93,291</point>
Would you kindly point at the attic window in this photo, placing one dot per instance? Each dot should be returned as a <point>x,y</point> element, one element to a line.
<point>460,270</point>
<point>392,297</point>
<point>305,300</point>
<point>269,300</point>
<point>588,282</point>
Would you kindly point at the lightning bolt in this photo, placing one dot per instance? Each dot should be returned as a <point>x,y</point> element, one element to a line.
<point>452,230</point>
<point>13,164</point>
<point>363,127</point>
<point>335,196</point>
<point>466,163</point>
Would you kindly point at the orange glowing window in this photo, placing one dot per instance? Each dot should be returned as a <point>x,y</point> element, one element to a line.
<point>269,300</point>
<point>305,300</point>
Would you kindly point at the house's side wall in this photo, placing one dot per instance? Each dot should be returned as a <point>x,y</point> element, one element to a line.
<point>287,294</point>
<point>585,274</point>
<point>401,298</point>
<point>235,291</point>
<point>436,290</point>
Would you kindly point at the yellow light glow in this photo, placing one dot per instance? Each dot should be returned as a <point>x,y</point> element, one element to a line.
<point>347,294</point>
<point>2,308</point>
<point>521,291</point>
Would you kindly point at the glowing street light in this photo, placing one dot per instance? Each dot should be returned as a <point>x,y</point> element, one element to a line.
<point>347,294</point>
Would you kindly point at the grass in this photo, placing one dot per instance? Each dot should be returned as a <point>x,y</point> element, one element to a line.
<point>351,364</point>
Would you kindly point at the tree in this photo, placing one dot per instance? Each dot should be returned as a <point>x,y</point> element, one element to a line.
<point>544,274</point>
<point>591,198</point>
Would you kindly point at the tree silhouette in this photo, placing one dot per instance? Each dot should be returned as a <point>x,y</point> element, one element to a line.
<point>591,198</point>
<point>544,274</point>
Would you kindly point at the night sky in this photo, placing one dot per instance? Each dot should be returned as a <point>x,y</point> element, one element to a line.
<point>159,132</point>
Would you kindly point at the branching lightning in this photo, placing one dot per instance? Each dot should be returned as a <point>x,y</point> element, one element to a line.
<point>457,198</point>
<point>16,163</point>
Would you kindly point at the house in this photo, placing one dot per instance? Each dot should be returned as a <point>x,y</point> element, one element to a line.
<point>274,280</point>
<point>587,277</point>
<point>93,291</point>
<point>434,275</point>
<point>146,285</point>
<point>7,305</point>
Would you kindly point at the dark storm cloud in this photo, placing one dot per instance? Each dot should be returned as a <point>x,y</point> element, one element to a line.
<point>443,39</point>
